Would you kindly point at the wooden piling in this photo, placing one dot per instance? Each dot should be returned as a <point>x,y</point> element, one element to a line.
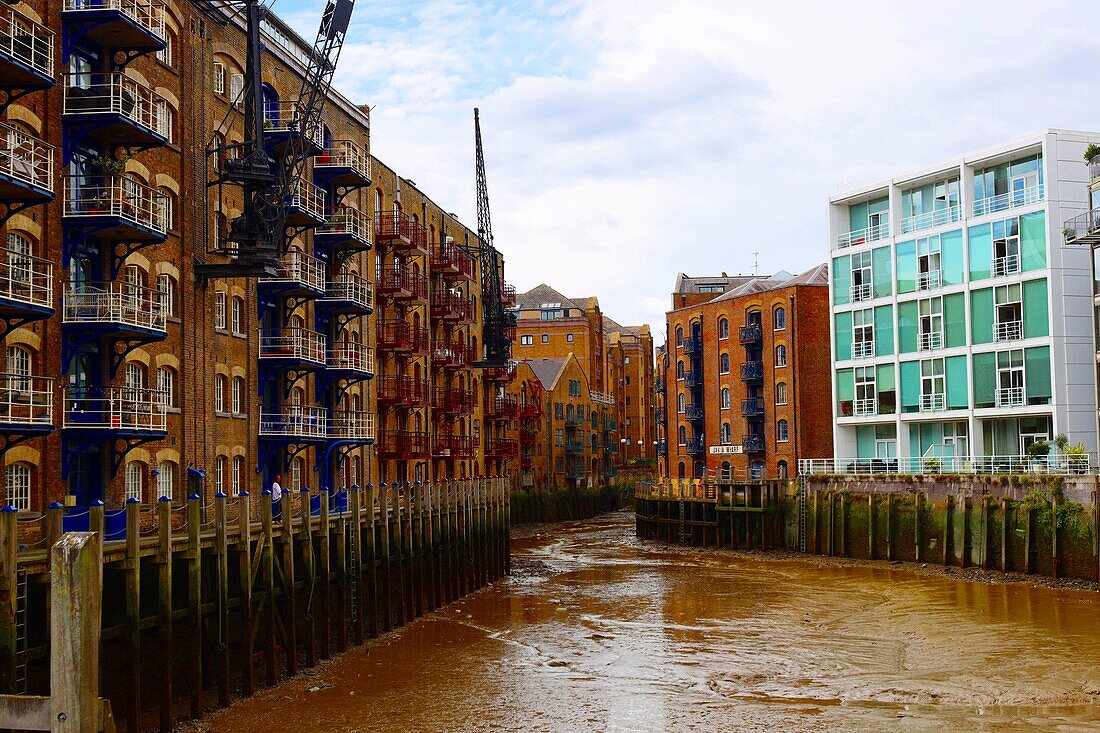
<point>305,550</point>
<point>324,571</point>
<point>132,572</point>
<point>164,609</point>
<point>193,558</point>
<point>221,562</point>
<point>370,498</point>
<point>76,594</point>
<point>245,579</point>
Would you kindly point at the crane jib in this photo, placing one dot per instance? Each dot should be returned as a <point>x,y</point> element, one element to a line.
<point>338,16</point>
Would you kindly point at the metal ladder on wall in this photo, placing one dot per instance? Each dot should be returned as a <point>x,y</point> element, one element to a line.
<point>802,514</point>
<point>683,523</point>
<point>21,633</point>
<point>353,564</point>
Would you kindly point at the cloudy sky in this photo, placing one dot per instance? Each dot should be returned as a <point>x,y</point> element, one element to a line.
<point>628,140</point>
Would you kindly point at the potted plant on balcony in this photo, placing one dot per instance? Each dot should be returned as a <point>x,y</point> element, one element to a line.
<point>1077,458</point>
<point>325,158</point>
<point>1091,152</point>
<point>1037,453</point>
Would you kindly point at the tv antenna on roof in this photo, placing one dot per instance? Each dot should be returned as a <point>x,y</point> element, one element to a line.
<point>756,264</point>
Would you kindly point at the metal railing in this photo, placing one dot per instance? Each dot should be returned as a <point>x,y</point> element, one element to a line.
<point>752,443</point>
<point>113,92</point>
<point>750,334</point>
<point>1009,396</point>
<point>1056,464</point>
<point>115,302</point>
<point>696,446</point>
<point>930,219</point>
<point>149,14</point>
<point>292,343</point>
<point>695,413</point>
<point>395,281</point>
<point>351,425</point>
<point>453,354</point>
<point>26,279</point>
<point>929,280</point>
<point>860,292</point>
<point>453,304</point>
<point>25,158</point>
<point>1083,225</point>
<point>863,349</point>
<point>115,408</point>
<point>295,421</point>
<point>1008,331</point>
<point>286,116</point>
<point>752,370</point>
<point>352,288</point>
<point>347,220</point>
<point>864,407</point>
<point>693,345</point>
<point>26,400</point>
<point>932,402</point>
<point>402,443</point>
<point>1007,265</point>
<point>693,379</point>
<point>344,154</point>
<point>930,340</point>
<point>26,41</point>
<point>1010,200</point>
<point>308,198</point>
<point>119,196</point>
<point>449,254</point>
<point>867,234</point>
<point>298,267</point>
<point>351,356</point>
<point>602,399</point>
<point>752,406</point>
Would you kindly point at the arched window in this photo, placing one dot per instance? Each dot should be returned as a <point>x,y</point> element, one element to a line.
<point>237,397</point>
<point>134,381</point>
<point>135,282</point>
<point>726,434</point>
<point>238,475</point>
<point>782,433</point>
<point>723,328</point>
<point>681,402</point>
<point>20,366</point>
<point>683,435</point>
<point>724,364</point>
<point>221,474</point>
<point>781,355</point>
<point>679,370</point>
<point>165,209</point>
<point>135,480</point>
<point>166,386</point>
<point>779,318</point>
<point>726,474</point>
<point>681,471</point>
<point>19,254</point>
<point>781,393</point>
<point>220,301</point>
<point>725,398</point>
<point>166,295</point>
<point>166,479</point>
<point>17,486</point>
<point>219,393</point>
<point>781,467</point>
<point>236,316</point>
<point>296,474</point>
<point>679,336</point>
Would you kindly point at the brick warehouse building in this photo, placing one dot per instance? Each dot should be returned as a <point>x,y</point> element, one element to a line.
<point>124,369</point>
<point>631,373</point>
<point>743,376</point>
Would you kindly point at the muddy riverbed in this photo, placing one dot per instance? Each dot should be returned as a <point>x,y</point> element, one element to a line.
<point>596,631</point>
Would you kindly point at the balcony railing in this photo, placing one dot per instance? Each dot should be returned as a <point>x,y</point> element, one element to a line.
<point>395,335</point>
<point>1000,464</point>
<point>149,14</point>
<point>931,219</point>
<point>601,398</point>
<point>452,305</point>
<point>399,228</point>
<point>502,448</point>
<point>451,259</point>
<point>297,344</point>
<point>574,446</point>
<point>930,340</point>
<point>308,199</point>
<point>752,407</point>
<point>26,279</point>
<point>454,400</point>
<point>25,41</point>
<point>23,157</point>
<point>286,117</point>
<point>752,443</point>
<point>26,400</point>
<point>1083,228</point>
<point>864,407</point>
<point>695,413</point>
<point>696,446</point>
<point>351,357</point>
<point>860,293</point>
<point>454,446</point>
<point>1010,200</point>
<point>402,444</point>
<point>1008,331</point>
<point>351,288</point>
<point>115,93</point>
<point>508,295</point>
<point>662,447</point>
<point>659,414</point>
<point>344,154</point>
<point>113,302</point>
<point>693,345</point>
<point>863,349</point>
<point>402,389</point>
<point>125,198</point>
<point>932,402</point>
<point>295,421</point>
<point>503,408</point>
<point>114,408</point>
<point>351,425</point>
<point>452,354</point>
<point>1010,396</point>
<point>1008,265</point>
<point>752,371</point>
<point>349,221</point>
<point>859,236</point>
<point>403,283</point>
<point>929,280</point>
<point>750,335</point>
<point>693,379</point>
<point>659,385</point>
<point>296,267</point>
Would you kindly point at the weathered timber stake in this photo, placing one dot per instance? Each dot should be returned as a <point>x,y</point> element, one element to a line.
<point>76,592</point>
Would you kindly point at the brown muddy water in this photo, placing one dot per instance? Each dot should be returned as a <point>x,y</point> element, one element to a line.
<point>596,631</point>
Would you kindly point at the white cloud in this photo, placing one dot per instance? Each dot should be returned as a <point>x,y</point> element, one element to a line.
<point>627,141</point>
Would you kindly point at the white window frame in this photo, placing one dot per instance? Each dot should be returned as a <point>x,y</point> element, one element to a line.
<point>134,480</point>
<point>219,393</point>
<point>237,395</point>
<point>166,479</point>
<point>219,78</point>
<point>17,484</point>
<point>933,385</point>
<point>221,299</point>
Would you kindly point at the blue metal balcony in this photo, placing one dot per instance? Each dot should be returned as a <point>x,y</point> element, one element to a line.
<point>662,447</point>
<point>752,443</point>
<point>573,447</point>
<point>696,446</point>
<point>752,371</point>
<point>26,407</point>
<point>116,308</point>
<point>348,360</point>
<point>348,293</point>
<point>292,348</point>
<point>136,26</point>
<point>305,206</point>
<point>26,171</point>
<point>350,428</point>
<point>346,231</point>
<point>752,407</point>
<point>26,55</point>
<point>344,164</point>
<point>26,289</point>
<point>693,345</point>
<point>114,110</point>
<point>659,414</point>
<point>298,275</point>
<point>659,385</point>
<point>693,380</point>
<point>115,412</point>
<point>751,335</point>
<point>695,413</point>
<point>283,123</point>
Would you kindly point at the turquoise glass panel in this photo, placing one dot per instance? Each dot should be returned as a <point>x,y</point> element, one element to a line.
<point>907,327</point>
<point>1036,311</point>
<point>951,257</point>
<point>910,386</point>
<point>985,379</point>
<point>865,441</point>
<point>954,370</point>
<point>954,319</point>
<point>884,330</point>
<point>1037,374</point>
<point>981,316</point>
<point>842,325</point>
<point>882,271</point>
<point>1033,241</point>
<point>842,279</point>
<point>980,240</point>
<point>907,266</point>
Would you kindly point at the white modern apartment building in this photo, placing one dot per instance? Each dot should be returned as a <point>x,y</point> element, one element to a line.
<point>962,325</point>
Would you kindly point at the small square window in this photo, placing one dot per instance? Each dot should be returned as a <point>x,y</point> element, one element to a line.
<point>569,338</point>
<point>526,340</point>
<point>546,338</point>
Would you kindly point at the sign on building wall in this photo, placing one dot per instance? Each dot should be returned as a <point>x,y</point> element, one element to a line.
<point>724,450</point>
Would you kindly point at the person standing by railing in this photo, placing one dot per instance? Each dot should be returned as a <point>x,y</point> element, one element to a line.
<point>276,498</point>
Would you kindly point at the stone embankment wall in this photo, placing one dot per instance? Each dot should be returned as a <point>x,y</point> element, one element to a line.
<point>560,505</point>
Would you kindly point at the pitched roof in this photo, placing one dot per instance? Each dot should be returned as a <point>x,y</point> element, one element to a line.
<point>548,371</point>
<point>689,284</point>
<point>817,275</point>
<point>540,294</point>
